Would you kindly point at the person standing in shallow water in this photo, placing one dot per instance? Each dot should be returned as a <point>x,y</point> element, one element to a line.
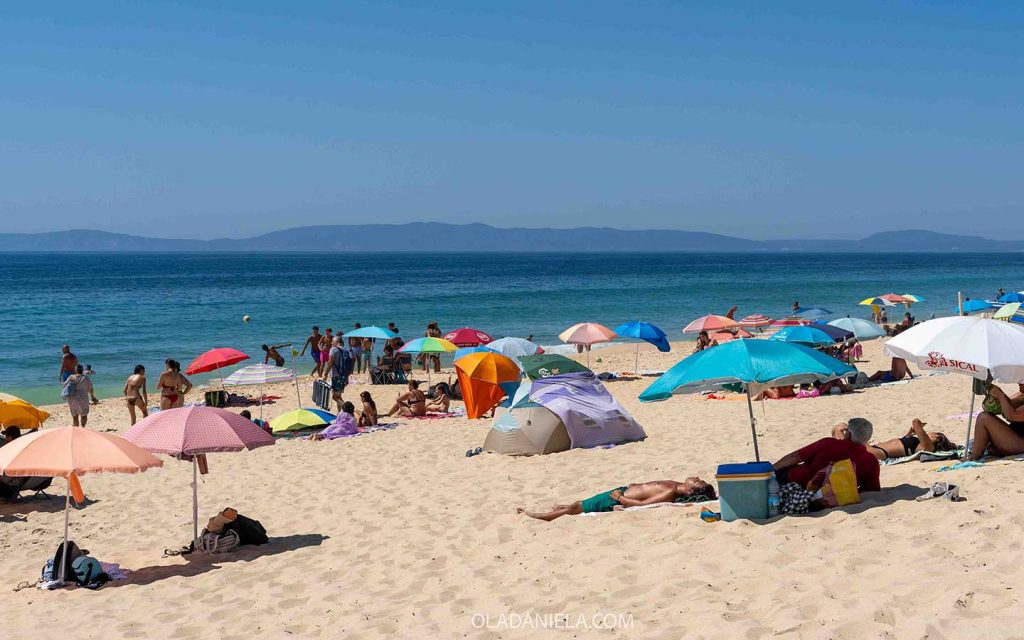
<point>68,362</point>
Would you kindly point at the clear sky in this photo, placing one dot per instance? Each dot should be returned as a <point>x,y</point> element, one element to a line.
<point>760,119</point>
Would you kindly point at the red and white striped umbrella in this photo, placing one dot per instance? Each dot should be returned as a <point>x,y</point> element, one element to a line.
<point>756,320</point>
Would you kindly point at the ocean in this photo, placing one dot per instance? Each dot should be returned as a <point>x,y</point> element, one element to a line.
<point>119,310</point>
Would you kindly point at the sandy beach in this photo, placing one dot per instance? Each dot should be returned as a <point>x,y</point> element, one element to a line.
<point>397,534</point>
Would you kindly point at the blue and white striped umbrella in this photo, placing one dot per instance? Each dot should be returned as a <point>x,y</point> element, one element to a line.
<point>260,374</point>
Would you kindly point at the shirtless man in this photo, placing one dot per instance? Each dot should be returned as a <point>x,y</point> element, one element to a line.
<point>690,490</point>
<point>355,345</point>
<point>326,344</point>
<point>68,362</point>
<point>313,342</point>
<point>272,354</point>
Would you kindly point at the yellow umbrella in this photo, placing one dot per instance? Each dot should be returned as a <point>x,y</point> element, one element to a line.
<point>18,413</point>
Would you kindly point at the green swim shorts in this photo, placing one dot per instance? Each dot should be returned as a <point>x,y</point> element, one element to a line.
<point>602,501</point>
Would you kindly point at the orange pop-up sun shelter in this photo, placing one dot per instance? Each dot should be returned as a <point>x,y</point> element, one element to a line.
<point>480,378</point>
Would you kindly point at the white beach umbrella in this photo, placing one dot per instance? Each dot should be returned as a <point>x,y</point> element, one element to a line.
<point>977,347</point>
<point>260,374</point>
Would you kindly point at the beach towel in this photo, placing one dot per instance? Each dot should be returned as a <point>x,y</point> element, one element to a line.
<point>644,507</point>
<point>434,415</point>
<point>925,456</point>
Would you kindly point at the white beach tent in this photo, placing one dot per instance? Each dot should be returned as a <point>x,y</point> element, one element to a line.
<point>562,412</point>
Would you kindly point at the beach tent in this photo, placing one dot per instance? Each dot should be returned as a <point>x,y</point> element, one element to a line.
<point>568,411</point>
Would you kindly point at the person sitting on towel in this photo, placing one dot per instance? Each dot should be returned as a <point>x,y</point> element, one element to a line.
<point>634,495</point>
<point>1000,437</point>
<point>915,440</point>
<point>897,371</point>
<point>803,464</point>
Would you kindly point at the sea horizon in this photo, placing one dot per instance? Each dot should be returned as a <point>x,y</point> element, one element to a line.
<point>118,309</point>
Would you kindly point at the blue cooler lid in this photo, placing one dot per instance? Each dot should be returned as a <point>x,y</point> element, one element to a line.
<point>744,468</point>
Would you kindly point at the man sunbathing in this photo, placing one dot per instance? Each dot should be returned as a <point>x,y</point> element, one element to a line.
<point>634,495</point>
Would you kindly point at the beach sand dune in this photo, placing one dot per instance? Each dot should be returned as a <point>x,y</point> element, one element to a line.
<point>397,534</point>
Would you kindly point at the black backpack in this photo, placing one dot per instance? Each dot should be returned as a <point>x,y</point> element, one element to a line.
<point>58,557</point>
<point>249,531</point>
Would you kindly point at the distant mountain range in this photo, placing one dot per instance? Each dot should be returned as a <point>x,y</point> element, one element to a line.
<point>434,236</point>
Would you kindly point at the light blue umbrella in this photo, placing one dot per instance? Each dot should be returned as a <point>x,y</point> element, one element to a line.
<point>807,335</point>
<point>973,306</point>
<point>1013,296</point>
<point>465,351</point>
<point>862,329</point>
<point>813,313</point>
<point>643,331</point>
<point>513,348</point>
<point>375,332</point>
<point>754,364</point>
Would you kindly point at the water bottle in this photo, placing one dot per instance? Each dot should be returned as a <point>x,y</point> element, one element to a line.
<point>774,497</point>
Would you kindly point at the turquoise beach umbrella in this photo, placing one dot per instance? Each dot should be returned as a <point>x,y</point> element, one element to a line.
<point>862,329</point>
<point>806,335</point>
<point>754,364</point>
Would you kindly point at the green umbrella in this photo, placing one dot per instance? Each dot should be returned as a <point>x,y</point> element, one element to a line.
<point>545,365</point>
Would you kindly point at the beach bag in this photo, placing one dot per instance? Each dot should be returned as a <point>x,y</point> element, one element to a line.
<point>217,398</point>
<point>54,564</point>
<point>322,394</point>
<point>837,484</point>
<point>70,385</point>
<point>89,573</point>
<point>249,531</point>
<point>222,542</point>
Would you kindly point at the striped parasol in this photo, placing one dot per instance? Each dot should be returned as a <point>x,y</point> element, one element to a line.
<point>789,321</point>
<point>756,320</point>
<point>260,374</point>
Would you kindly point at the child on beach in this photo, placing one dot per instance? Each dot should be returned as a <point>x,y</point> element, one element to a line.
<point>368,416</point>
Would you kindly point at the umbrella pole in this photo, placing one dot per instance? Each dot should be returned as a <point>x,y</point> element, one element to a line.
<point>753,425</point>
<point>261,402</point>
<point>636,363</point>
<point>195,498</point>
<point>970,419</point>
<point>295,378</point>
<point>67,511</point>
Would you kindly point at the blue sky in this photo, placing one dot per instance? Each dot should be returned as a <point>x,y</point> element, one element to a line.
<point>762,119</point>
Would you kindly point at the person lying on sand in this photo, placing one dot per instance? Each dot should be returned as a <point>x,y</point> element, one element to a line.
<point>411,403</point>
<point>776,393</point>
<point>634,495</point>
<point>897,371</point>
<point>803,464</point>
<point>1000,437</point>
<point>916,439</point>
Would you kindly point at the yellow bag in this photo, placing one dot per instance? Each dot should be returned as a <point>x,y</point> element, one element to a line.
<point>839,485</point>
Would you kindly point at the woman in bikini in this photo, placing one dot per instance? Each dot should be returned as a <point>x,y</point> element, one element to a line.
<point>173,386</point>
<point>1000,436</point>
<point>368,416</point>
<point>441,401</point>
<point>411,403</point>
<point>915,440</point>
<point>135,392</point>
